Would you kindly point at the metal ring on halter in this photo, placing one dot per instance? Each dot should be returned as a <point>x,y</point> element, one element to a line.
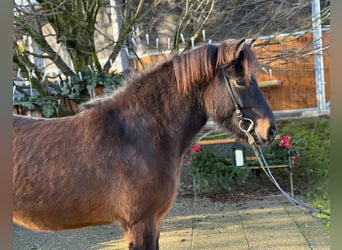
<point>250,127</point>
<point>239,113</point>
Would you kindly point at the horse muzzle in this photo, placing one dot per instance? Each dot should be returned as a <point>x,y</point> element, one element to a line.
<point>265,131</point>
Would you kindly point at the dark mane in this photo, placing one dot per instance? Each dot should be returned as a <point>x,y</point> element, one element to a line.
<point>195,65</point>
<point>202,63</point>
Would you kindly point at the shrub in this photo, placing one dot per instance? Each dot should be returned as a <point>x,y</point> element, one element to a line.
<point>213,172</point>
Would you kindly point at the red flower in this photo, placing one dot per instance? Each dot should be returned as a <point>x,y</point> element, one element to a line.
<point>195,148</point>
<point>285,141</point>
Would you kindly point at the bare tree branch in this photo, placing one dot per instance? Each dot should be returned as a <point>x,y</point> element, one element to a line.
<point>75,24</point>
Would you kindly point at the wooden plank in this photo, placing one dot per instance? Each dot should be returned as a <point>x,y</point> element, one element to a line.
<point>269,83</point>
<point>272,166</point>
<point>216,141</point>
<point>251,158</point>
<point>222,141</point>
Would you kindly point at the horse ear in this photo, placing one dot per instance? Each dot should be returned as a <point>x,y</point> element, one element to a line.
<point>252,43</point>
<point>239,47</point>
<point>229,51</point>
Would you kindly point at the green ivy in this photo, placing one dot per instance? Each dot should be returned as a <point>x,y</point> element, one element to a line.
<point>77,90</point>
<point>81,88</point>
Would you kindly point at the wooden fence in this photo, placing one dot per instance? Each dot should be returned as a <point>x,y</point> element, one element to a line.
<point>289,62</point>
<point>292,63</point>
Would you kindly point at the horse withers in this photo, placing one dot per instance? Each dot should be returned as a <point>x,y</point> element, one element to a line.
<point>120,159</point>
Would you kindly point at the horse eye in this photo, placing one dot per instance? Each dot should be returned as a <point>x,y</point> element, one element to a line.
<point>239,82</point>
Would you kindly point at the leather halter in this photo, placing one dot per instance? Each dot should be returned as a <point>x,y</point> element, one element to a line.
<point>236,105</point>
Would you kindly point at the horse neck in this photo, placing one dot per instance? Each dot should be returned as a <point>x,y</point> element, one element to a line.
<point>179,117</point>
<point>191,122</point>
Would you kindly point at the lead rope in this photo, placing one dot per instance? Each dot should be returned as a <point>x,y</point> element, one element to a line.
<point>265,167</point>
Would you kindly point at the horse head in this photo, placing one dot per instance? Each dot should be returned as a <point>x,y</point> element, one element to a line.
<point>239,105</point>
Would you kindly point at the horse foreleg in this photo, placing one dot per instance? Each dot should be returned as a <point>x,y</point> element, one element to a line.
<point>143,235</point>
<point>158,227</point>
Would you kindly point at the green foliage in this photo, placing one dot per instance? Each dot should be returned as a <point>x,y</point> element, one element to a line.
<point>213,172</point>
<point>81,88</point>
<point>48,105</point>
<point>273,154</point>
<point>314,142</point>
<point>47,97</point>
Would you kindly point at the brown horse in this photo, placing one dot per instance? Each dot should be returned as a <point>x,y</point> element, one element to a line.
<point>120,159</point>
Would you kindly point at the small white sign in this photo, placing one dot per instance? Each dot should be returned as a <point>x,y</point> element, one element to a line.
<point>238,157</point>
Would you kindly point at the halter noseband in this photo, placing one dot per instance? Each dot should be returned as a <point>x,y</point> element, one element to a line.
<point>236,107</point>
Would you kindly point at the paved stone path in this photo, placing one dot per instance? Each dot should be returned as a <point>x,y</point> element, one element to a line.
<point>263,223</point>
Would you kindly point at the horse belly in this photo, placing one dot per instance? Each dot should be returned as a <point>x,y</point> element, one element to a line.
<point>49,215</point>
<point>45,200</point>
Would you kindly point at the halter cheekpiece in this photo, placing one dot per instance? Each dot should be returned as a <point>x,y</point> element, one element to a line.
<point>243,119</point>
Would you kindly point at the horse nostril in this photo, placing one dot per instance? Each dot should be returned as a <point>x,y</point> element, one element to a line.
<point>272,132</point>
